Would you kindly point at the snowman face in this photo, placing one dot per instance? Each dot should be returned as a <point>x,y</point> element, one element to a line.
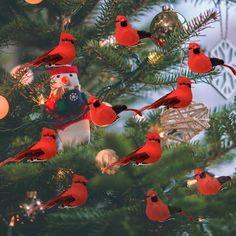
<point>66,81</point>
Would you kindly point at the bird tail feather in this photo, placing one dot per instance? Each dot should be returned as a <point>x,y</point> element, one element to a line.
<point>190,217</point>
<point>17,158</point>
<point>158,41</point>
<point>135,111</point>
<point>231,68</point>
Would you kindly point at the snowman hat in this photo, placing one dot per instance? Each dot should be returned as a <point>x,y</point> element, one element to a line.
<point>62,70</point>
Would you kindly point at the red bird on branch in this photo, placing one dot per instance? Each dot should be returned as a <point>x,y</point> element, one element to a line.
<point>198,62</point>
<point>157,210</point>
<point>103,114</point>
<point>74,196</point>
<point>179,98</point>
<point>207,184</point>
<point>63,53</point>
<point>45,149</point>
<point>149,153</point>
<point>126,35</point>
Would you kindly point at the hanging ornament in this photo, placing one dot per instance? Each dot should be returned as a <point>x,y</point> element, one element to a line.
<point>33,2</point>
<point>226,83</point>
<point>61,179</point>
<point>128,36</point>
<point>105,158</point>
<point>31,201</point>
<point>191,183</point>
<point>148,153</point>
<point>23,74</point>
<point>165,23</point>
<point>182,124</point>
<point>109,41</point>
<point>154,57</point>
<point>43,150</point>
<point>74,196</point>
<point>67,101</point>
<point>4,107</point>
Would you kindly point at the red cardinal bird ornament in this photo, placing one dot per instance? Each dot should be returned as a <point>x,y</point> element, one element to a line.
<point>63,53</point>
<point>45,149</point>
<point>74,196</point>
<point>179,98</point>
<point>126,35</point>
<point>198,62</point>
<point>207,184</point>
<point>149,153</point>
<point>157,210</point>
<point>103,114</point>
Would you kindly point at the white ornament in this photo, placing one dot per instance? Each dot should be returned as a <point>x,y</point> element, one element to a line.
<point>25,76</point>
<point>182,124</point>
<point>225,83</point>
<point>109,41</point>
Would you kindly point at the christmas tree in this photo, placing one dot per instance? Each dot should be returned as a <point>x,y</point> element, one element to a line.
<point>118,75</point>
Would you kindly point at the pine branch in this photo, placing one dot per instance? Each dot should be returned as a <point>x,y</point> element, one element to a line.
<point>178,37</point>
<point>193,28</point>
<point>110,56</point>
<point>106,17</point>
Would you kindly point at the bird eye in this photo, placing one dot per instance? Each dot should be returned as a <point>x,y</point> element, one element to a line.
<point>71,75</point>
<point>58,76</point>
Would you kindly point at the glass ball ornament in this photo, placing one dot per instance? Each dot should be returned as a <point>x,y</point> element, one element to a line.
<point>33,2</point>
<point>165,23</point>
<point>105,158</point>
<point>4,107</point>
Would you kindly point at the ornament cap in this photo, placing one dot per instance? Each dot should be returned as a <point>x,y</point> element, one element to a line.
<point>167,7</point>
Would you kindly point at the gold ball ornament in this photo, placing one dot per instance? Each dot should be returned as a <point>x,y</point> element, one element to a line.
<point>165,23</point>
<point>105,158</point>
<point>4,107</point>
<point>154,57</point>
<point>33,2</point>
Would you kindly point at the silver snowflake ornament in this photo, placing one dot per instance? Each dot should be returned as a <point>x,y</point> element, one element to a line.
<point>225,84</point>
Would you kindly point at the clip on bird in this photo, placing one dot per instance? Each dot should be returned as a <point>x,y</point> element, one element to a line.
<point>198,62</point>
<point>64,53</point>
<point>126,35</point>
<point>157,210</point>
<point>45,149</point>
<point>74,196</point>
<point>208,184</point>
<point>149,153</point>
<point>103,114</point>
<point>179,98</point>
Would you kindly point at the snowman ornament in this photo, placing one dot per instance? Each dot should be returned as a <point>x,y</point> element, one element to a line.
<point>67,103</point>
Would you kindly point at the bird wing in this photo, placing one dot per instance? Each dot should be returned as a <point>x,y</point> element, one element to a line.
<point>47,57</point>
<point>59,200</point>
<point>167,100</point>
<point>133,156</point>
<point>119,108</point>
<point>29,152</point>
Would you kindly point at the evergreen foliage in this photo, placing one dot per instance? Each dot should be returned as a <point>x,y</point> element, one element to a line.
<point>116,204</point>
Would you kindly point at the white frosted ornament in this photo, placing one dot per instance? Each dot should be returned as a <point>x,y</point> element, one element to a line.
<point>25,75</point>
<point>105,158</point>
